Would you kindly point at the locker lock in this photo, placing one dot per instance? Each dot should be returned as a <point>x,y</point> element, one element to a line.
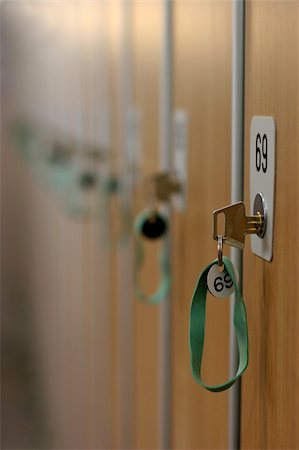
<point>159,188</point>
<point>237,224</point>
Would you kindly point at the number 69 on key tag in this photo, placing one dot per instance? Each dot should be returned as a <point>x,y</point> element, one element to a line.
<point>220,284</point>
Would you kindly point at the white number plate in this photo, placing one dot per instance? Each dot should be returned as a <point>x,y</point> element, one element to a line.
<point>262,178</point>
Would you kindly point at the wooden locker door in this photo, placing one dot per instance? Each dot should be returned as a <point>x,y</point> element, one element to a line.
<point>270,401</point>
<point>114,57</point>
<point>55,307</point>
<point>202,87</point>
<point>147,36</point>
<point>121,210</point>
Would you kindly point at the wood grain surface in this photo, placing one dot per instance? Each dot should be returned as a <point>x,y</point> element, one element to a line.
<point>270,403</point>
<point>202,74</point>
<point>147,35</point>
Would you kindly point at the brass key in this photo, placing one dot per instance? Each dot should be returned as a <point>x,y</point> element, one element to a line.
<point>237,224</point>
<point>163,185</point>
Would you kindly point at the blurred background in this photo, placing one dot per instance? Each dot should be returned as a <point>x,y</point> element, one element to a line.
<point>98,98</point>
<point>85,365</point>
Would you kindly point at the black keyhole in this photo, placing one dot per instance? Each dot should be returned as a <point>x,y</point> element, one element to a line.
<point>87,180</point>
<point>112,185</point>
<point>154,227</point>
<point>60,155</point>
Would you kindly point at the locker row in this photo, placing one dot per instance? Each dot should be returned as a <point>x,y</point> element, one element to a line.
<point>149,219</point>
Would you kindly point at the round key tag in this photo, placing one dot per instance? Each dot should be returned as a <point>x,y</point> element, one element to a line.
<point>220,284</point>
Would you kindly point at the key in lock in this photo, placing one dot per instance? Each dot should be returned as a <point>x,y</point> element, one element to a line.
<point>237,224</point>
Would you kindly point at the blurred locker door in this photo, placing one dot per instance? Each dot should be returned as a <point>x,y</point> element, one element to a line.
<point>56,342</point>
<point>202,88</point>
<point>147,38</point>
<point>121,210</point>
<point>270,400</point>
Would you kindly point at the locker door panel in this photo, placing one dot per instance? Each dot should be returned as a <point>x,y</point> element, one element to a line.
<point>147,35</point>
<point>202,87</point>
<point>269,399</point>
<point>55,326</point>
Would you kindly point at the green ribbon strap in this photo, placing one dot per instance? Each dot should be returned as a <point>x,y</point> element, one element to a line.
<point>197,327</point>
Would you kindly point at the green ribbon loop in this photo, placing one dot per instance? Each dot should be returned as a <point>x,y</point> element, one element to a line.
<point>197,327</point>
<point>163,288</point>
